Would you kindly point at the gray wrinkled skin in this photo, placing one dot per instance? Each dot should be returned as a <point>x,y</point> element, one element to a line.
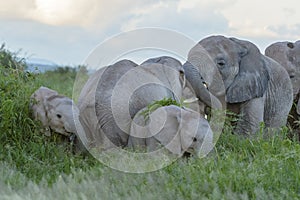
<point>106,112</point>
<point>255,86</point>
<point>205,97</point>
<point>56,112</point>
<point>177,129</point>
<point>96,103</point>
<point>288,55</point>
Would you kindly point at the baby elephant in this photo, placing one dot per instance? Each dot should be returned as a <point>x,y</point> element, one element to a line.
<point>177,129</point>
<point>56,112</point>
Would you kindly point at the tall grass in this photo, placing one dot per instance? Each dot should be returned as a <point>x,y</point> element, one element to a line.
<point>22,146</point>
<point>33,166</point>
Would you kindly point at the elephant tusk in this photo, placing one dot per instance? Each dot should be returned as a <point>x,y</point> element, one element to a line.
<point>205,85</point>
<point>190,100</point>
<point>72,137</point>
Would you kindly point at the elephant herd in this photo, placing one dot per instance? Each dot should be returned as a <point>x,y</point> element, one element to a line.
<point>116,107</point>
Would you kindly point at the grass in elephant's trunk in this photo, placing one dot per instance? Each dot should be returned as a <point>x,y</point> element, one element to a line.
<point>156,104</point>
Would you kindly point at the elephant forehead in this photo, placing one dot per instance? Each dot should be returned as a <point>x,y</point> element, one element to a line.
<point>220,52</point>
<point>60,101</point>
<point>165,60</point>
<point>45,91</point>
<point>218,44</point>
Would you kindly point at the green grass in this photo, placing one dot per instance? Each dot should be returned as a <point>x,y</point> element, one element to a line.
<point>156,104</point>
<point>33,166</point>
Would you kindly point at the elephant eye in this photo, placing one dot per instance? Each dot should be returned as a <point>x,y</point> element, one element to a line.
<point>58,115</point>
<point>181,71</point>
<point>291,59</point>
<point>194,139</point>
<point>221,63</point>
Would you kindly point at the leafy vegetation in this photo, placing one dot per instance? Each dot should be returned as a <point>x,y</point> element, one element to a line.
<point>10,60</point>
<point>33,166</point>
<point>159,103</point>
<point>22,146</point>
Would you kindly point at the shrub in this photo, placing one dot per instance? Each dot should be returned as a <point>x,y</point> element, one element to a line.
<point>10,60</point>
<point>22,146</point>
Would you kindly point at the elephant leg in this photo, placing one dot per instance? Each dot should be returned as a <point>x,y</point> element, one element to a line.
<point>250,116</point>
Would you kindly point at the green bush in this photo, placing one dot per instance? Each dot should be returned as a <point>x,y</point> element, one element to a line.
<point>21,144</point>
<point>10,60</point>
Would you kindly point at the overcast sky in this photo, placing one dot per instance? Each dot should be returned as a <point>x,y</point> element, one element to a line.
<point>66,31</point>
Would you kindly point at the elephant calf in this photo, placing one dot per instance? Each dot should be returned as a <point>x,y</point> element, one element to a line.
<point>179,130</point>
<point>56,112</point>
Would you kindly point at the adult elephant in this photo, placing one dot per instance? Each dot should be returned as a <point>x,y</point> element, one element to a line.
<point>253,85</point>
<point>288,55</point>
<point>114,94</point>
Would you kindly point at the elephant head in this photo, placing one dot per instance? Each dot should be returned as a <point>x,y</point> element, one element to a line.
<point>61,111</point>
<point>56,112</point>
<point>237,62</point>
<point>169,71</point>
<point>288,55</point>
<point>179,130</point>
<point>189,90</point>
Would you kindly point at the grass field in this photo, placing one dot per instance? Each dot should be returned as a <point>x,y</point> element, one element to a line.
<point>33,166</point>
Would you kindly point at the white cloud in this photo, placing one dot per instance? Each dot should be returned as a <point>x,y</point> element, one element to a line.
<point>66,12</point>
<point>14,9</point>
<point>57,27</point>
<point>88,14</point>
<point>193,18</point>
<point>254,18</point>
<point>208,5</point>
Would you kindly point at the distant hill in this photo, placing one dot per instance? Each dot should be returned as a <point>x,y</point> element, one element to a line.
<point>38,65</point>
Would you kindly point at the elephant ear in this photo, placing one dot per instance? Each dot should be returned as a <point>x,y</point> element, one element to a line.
<point>188,127</point>
<point>50,102</point>
<point>169,135</point>
<point>252,79</point>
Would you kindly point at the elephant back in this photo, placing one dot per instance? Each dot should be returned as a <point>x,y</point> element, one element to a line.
<point>103,101</point>
<point>94,104</point>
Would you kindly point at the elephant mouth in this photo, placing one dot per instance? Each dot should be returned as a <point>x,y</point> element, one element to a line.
<point>187,154</point>
<point>63,132</point>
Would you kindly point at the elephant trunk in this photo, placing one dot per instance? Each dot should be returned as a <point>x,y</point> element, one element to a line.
<point>195,79</point>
